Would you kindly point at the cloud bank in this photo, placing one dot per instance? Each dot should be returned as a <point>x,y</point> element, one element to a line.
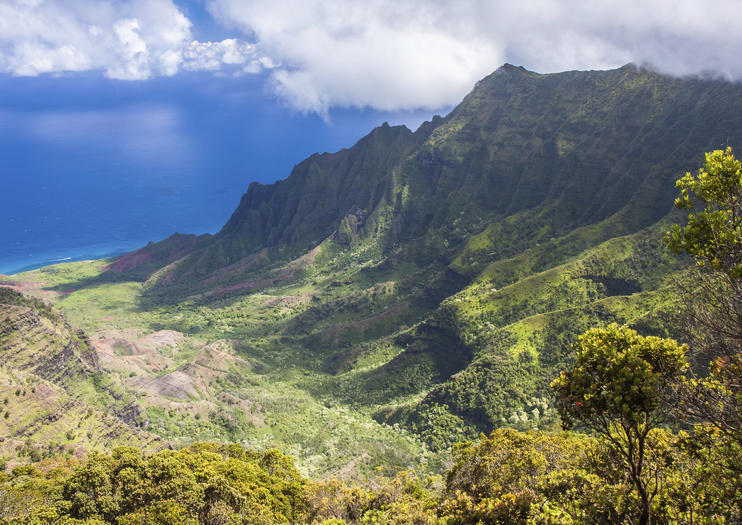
<point>126,39</point>
<point>392,54</point>
<point>384,54</point>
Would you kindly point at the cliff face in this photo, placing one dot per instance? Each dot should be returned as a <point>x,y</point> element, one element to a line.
<point>307,207</point>
<point>554,151</point>
<point>36,339</point>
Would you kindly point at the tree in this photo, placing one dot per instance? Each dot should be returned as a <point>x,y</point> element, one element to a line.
<point>497,479</point>
<point>712,296</point>
<point>711,307</point>
<point>713,235</point>
<point>616,388</point>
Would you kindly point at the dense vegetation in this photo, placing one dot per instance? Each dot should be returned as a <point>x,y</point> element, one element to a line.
<point>510,477</point>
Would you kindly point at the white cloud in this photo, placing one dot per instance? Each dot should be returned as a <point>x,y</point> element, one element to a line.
<point>214,55</point>
<point>385,54</point>
<point>126,39</point>
<point>396,54</point>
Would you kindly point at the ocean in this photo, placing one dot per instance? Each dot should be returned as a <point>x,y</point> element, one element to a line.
<point>92,168</point>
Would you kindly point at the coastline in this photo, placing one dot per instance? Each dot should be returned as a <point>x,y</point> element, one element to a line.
<point>11,268</point>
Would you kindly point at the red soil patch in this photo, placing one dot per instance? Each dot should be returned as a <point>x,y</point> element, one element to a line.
<point>165,252</point>
<point>243,264</point>
<point>190,380</point>
<point>131,260</point>
<point>333,333</point>
<point>287,300</point>
<point>125,350</point>
<point>164,337</point>
<point>177,385</point>
<point>32,288</point>
<point>20,286</point>
<point>291,269</point>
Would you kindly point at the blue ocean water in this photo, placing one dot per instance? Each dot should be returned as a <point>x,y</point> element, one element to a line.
<point>91,168</point>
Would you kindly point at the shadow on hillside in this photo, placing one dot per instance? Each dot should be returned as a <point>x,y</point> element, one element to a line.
<point>105,277</point>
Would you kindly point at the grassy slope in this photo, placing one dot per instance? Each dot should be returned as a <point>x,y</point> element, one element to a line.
<point>258,395</point>
<point>519,335</point>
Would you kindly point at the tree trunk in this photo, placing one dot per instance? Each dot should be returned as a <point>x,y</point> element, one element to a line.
<point>646,517</point>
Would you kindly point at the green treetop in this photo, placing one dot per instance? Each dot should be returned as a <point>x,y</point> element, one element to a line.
<point>713,236</point>
<point>616,387</point>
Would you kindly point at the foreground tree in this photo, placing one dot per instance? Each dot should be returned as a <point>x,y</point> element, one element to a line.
<point>712,297</point>
<point>616,388</point>
<point>711,306</point>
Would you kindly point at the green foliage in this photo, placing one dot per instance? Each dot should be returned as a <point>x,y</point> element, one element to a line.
<point>710,472</point>
<point>618,375</point>
<point>533,477</point>
<point>495,390</point>
<point>615,387</point>
<point>713,236</point>
<point>710,308</point>
<point>335,500</point>
<point>510,477</point>
<point>521,334</point>
<point>205,483</point>
<point>493,480</point>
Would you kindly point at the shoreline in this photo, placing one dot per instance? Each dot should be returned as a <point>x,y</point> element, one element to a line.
<point>12,269</point>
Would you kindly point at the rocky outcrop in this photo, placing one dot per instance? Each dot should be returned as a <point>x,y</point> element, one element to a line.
<point>351,226</point>
<point>47,347</point>
<point>47,365</point>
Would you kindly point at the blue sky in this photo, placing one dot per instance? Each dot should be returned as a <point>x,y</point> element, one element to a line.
<point>122,121</point>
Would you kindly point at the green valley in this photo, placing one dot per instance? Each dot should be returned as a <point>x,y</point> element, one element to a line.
<point>382,303</point>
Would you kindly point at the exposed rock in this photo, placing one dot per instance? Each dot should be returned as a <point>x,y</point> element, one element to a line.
<point>350,226</point>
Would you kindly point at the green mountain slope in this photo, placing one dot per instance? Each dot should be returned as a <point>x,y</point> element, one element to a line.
<point>532,156</point>
<point>423,286</point>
